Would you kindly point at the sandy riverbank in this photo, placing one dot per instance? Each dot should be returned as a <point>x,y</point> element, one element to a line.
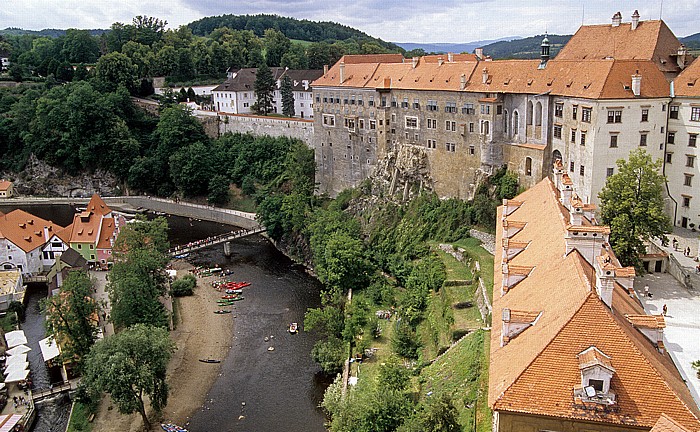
<point>200,334</point>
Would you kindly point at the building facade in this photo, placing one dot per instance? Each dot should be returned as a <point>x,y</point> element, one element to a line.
<point>460,117</point>
<point>237,94</point>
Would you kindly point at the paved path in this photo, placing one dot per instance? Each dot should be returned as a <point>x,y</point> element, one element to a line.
<point>682,333</point>
<point>102,297</point>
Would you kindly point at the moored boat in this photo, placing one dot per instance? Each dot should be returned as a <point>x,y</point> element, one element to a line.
<point>293,328</point>
<point>208,360</point>
<point>222,311</point>
<point>169,427</point>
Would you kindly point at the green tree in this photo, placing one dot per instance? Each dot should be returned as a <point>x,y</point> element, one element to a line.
<point>138,280</point>
<point>287,96</point>
<point>437,414</point>
<point>330,354</point>
<point>71,316</point>
<point>276,45</point>
<point>131,367</point>
<point>115,69</point>
<point>264,88</point>
<point>632,205</point>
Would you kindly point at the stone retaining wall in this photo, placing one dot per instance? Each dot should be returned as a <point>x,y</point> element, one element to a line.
<point>272,126</point>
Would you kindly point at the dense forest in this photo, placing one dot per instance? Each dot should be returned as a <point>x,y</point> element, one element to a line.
<point>312,31</point>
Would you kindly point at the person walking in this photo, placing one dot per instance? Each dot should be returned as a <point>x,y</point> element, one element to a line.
<point>665,309</point>
<point>646,290</point>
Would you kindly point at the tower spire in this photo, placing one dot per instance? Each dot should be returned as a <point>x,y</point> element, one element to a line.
<point>544,54</point>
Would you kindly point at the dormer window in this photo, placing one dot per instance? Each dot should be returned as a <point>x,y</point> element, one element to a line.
<point>596,373</point>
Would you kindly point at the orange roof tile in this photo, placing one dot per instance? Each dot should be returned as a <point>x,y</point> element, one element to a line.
<point>5,185</point>
<point>25,230</point>
<point>592,356</point>
<point>545,360</point>
<point>647,321</point>
<point>667,424</point>
<point>445,57</point>
<point>371,58</point>
<point>589,228</point>
<point>651,40</point>
<point>97,206</point>
<point>685,83</point>
<point>106,234</point>
<point>523,317</point>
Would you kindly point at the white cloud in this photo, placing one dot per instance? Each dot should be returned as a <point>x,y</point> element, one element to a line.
<point>392,20</point>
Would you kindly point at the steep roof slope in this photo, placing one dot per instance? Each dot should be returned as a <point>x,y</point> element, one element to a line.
<point>543,359</point>
<point>686,84</point>
<point>25,230</point>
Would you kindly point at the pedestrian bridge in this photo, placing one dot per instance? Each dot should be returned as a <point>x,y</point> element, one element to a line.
<point>181,250</point>
<point>68,386</point>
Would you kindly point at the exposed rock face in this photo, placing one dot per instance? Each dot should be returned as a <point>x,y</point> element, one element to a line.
<point>40,179</point>
<point>402,174</point>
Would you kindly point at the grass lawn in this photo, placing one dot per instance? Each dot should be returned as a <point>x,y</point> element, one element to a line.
<point>79,419</point>
<point>462,373</point>
<point>473,248</point>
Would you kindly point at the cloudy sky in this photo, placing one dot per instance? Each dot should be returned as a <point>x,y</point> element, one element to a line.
<point>421,21</point>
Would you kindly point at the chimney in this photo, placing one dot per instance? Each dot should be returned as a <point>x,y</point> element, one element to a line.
<point>440,61</point>
<point>414,61</point>
<point>306,84</point>
<point>635,20</point>
<point>604,279</point>
<point>636,83</point>
<point>450,57</point>
<point>479,52</point>
<point>462,82</point>
<point>589,241</point>
<point>325,69</point>
<point>682,52</point>
<point>46,234</point>
<point>616,19</point>
<point>484,75</point>
<point>342,72</point>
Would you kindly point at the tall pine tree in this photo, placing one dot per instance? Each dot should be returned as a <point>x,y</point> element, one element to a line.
<point>287,97</point>
<point>264,86</point>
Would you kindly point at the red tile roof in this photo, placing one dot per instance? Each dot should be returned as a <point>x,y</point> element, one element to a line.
<point>686,84</point>
<point>5,185</point>
<point>25,230</point>
<point>667,424</point>
<point>546,360</point>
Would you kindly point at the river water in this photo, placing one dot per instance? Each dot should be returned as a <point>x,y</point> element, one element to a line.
<point>257,390</point>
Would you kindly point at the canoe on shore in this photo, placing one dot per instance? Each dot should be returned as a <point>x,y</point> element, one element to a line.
<point>169,427</point>
<point>210,360</point>
<point>222,311</point>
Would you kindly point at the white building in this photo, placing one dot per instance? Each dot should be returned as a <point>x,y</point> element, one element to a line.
<point>4,60</point>
<point>681,162</point>
<point>237,94</point>
<point>22,239</point>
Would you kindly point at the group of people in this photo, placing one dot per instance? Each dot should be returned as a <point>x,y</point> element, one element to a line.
<point>20,401</point>
<point>686,251</point>
<point>203,242</point>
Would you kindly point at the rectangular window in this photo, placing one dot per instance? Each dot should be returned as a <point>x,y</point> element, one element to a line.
<point>613,141</point>
<point>609,172</point>
<point>571,166</point>
<point>686,201</point>
<point>412,122</point>
<point>432,144</point>
<point>352,100</point>
<point>671,138</point>
<point>669,157</point>
<point>432,105</point>
<point>370,102</point>
<point>559,110</point>
<point>573,136</point>
<point>372,124</point>
<point>643,140</point>
<point>361,123</point>
<point>350,124</point>
<point>586,115</point>
<point>383,101</point>
<point>499,109</point>
<point>450,147</point>
<point>359,100</point>
<point>485,109</point>
<point>557,131</point>
<point>450,107</point>
<point>614,116</point>
<point>471,150</point>
<point>673,113</point>
<point>574,112</point>
<point>328,120</point>
<point>468,108</point>
<point>689,161</point>
<point>450,126</point>
<point>393,118</point>
<point>692,140</point>
<point>583,138</point>
<point>404,103</point>
<point>431,123</point>
<point>345,99</point>
<point>394,102</point>
<point>688,181</point>
<point>318,98</point>
<point>416,104</point>
<point>471,127</point>
<point>582,170</point>
<point>694,113</point>
<point>645,114</point>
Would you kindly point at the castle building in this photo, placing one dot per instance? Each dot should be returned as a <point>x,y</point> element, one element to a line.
<point>681,164</point>
<point>456,118</point>
<point>571,346</point>
<point>237,94</point>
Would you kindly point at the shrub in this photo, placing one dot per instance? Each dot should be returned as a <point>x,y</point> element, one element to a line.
<point>184,287</point>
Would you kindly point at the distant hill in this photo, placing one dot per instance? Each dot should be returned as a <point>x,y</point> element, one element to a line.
<point>441,48</point>
<point>305,30</point>
<point>692,41</point>
<point>52,33</point>
<point>526,48</point>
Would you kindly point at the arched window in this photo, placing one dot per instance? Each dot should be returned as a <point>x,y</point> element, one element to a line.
<point>528,117</point>
<point>485,127</point>
<point>528,166</point>
<point>516,123</point>
<point>538,114</point>
<point>556,155</point>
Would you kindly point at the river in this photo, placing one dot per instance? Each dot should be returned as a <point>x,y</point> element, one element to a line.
<point>257,390</point>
